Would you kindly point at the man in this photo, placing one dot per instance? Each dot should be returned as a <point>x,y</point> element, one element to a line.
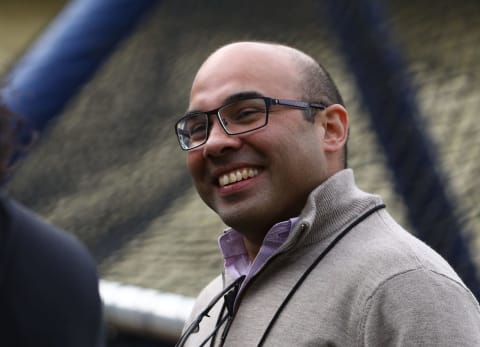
<point>310,260</point>
<point>48,282</point>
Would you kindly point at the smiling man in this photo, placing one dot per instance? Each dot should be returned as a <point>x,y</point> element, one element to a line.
<point>310,260</point>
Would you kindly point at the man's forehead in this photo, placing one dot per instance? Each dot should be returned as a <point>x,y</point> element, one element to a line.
<point>246,52</point>
<point>242,68</point>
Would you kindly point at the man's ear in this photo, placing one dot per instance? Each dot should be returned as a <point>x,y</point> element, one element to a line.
<point>335,124</point>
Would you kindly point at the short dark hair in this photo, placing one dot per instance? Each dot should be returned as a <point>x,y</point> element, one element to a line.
<point>318,86</point>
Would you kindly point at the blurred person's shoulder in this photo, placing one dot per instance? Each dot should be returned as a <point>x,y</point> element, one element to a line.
<point>48,283</point>
<point>26,236</point>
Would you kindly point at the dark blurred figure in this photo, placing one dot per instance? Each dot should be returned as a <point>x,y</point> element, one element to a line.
<point>48,281</point>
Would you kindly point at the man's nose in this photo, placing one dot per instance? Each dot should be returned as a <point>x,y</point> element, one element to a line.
<point>218,141</point>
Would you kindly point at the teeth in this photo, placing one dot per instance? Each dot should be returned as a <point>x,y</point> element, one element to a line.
<point>223,180</point>
<point>236,176</point>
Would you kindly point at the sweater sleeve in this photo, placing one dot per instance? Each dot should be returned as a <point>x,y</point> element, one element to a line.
<point>421,308</point>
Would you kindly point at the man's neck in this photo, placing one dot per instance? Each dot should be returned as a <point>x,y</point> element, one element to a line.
<point>252,247</point>
<point>253,237</point>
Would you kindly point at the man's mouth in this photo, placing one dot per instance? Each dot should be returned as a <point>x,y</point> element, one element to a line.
<point>236,176</point>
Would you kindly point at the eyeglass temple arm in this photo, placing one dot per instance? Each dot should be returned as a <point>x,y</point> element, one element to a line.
<point>298,104</point>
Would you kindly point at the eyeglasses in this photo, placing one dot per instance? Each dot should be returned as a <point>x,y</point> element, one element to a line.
<point>237,117</point>
<point>229,294</point>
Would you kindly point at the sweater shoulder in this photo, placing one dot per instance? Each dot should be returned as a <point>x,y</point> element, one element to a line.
<point>204,297</point>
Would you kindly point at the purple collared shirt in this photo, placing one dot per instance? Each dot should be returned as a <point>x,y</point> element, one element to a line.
<point>235,255</point>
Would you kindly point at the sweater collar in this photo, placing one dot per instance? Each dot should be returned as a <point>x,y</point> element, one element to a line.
<point>331,207</point>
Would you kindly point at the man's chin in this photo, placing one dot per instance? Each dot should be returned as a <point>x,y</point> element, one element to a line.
<point>238,220</point>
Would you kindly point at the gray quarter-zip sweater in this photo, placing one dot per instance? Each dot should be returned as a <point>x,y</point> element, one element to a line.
<point>348,275</point>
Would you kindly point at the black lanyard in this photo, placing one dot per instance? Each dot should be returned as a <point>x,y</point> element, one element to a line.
<point>230,292</point>
<point>312,266</point>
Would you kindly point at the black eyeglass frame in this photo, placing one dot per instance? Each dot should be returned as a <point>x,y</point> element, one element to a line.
<point>303,105</point>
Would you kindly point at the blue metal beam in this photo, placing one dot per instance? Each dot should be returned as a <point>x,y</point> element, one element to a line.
<point>66,56</point>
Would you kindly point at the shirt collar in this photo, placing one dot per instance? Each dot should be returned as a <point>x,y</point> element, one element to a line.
<point>235,254</point>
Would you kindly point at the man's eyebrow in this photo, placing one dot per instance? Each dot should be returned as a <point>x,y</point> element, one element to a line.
<point>233,98</point>
<point>241,96</point>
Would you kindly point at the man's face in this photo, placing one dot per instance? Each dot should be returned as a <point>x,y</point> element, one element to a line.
<point>277,166</point>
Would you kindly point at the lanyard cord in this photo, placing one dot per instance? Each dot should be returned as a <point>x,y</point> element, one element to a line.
<point>220,322</point>
<point>228,292</point>
<point>312,266</point>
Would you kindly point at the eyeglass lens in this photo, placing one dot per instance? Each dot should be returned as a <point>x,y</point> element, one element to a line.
<point>236,118</point>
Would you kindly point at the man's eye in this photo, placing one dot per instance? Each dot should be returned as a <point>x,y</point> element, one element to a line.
<point>197,130</point>
<point>248,114</point>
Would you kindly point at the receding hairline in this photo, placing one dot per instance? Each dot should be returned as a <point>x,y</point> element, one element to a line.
<point>297,56</point>
<point>264,44</point>
<point>315,81</point>
<point>301,62</point>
